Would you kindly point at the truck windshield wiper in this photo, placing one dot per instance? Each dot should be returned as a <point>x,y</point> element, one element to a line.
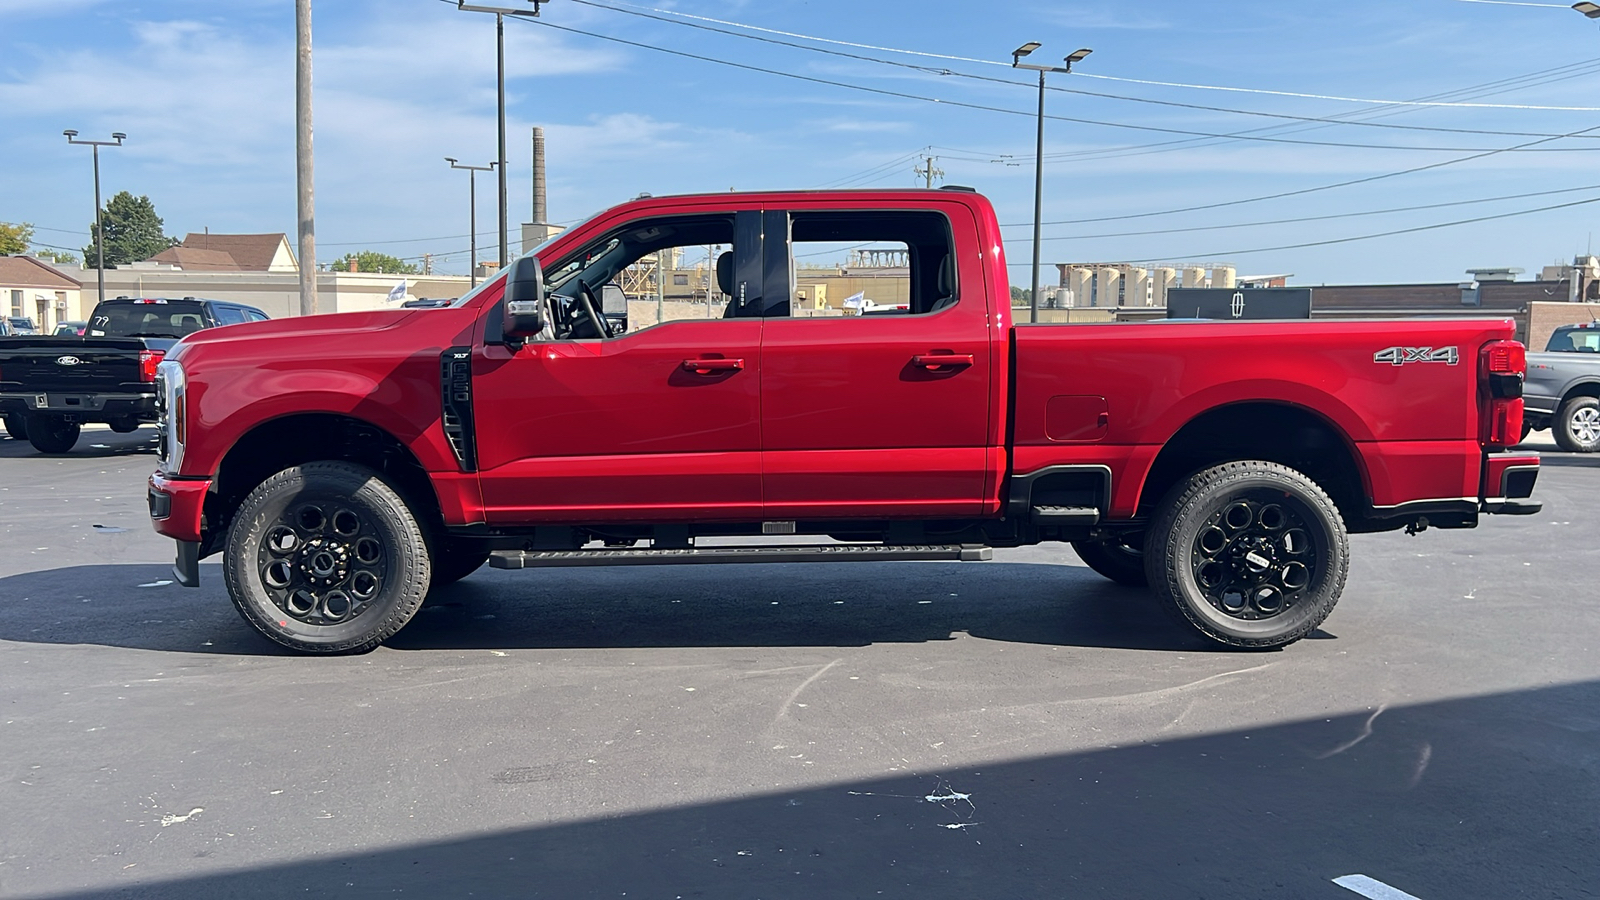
<point>151,334</point>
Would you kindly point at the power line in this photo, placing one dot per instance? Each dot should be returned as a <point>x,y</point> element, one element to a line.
<point>1311,190</point>
<point>990,62</point>
<point>1323,218</point>
<point>1017,112</point>
<point>1102,95</point>
<point>1222,254</point>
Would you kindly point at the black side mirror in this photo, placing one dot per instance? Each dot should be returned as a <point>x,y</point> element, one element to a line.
<point>523,315</point>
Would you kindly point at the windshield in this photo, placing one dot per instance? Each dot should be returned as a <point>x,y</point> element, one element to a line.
<point>146,318</point>
<point>469,295</point>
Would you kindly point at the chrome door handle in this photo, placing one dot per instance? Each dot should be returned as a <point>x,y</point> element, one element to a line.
<point>936,361</point>
<point>712,366</point>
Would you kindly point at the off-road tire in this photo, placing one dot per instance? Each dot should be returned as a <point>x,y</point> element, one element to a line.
<point>455,558</point>
<point>51,435</point>
<point>16,426</point>
<point>291,501</point>
<point>1577,425</point>
<point>1177,562</point>
<point>1116,559</point>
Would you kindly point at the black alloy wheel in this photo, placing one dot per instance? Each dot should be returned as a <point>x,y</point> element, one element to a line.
<point>1119,558</point>
<point>326,558</point>
<point>49,434</point>
<point>1251,554</point>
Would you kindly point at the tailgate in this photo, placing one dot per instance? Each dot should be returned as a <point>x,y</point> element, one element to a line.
<point>70,364</point>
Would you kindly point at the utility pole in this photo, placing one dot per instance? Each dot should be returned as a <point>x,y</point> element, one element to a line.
<point>304,201</point>
<point>1038,156</point>
<point>500,14</point>
<point>472,205</point>
<point>928,170</point>
<point>99,221</point>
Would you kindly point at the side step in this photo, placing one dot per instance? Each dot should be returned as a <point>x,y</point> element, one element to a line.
<point>1066,515</point>
<point>538,559</point>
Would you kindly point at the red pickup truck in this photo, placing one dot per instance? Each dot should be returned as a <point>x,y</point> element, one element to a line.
<point>345,464</point>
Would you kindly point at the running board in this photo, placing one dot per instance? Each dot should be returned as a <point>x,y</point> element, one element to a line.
<point>1066,515</point>
<point>539,559</point>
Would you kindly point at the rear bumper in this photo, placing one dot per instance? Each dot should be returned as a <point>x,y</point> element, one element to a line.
<point>80,407</point>
<point>177,510</point>
<point>1508,480</point>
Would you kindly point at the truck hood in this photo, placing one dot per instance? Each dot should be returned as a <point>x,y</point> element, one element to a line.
<point>331,323</point>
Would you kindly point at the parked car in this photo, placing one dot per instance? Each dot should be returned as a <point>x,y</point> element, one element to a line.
<point>1563,389</point>
<point>343,465</point>
<point>22,325</point>
<point>51,386</point>
<point>70,328</point>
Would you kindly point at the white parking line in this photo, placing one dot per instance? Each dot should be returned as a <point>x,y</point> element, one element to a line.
<point>1371,887</point>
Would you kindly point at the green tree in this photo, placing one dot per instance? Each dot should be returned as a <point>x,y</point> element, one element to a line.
<point>1020,296</point>
<point>15,238</point>
<point>133,231</point>
<point>373,261</point>
<point>60,257</point>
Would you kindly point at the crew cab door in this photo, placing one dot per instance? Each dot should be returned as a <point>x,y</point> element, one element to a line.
<point>659,422</point>
<point>885,412</point>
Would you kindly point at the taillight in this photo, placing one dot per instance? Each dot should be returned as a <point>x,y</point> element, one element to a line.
<point>1501,365</point>
<point>148,360</point>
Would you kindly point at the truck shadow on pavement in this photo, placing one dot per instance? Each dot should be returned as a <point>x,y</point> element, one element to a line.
<point>841,605</point>
<point>1487,796</point>
<point>92,445</point>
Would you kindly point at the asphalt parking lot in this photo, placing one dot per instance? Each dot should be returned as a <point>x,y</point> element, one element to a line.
<point>1018,728</point>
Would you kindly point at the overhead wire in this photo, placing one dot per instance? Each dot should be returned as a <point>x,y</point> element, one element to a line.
<point>1017,112</point>
<point>1061,89</point>
<point>1321,218</point>
<point>991,62</point>
<point>1223,254</point>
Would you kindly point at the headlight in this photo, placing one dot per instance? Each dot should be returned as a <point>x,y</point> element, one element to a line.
<point>171,416</point>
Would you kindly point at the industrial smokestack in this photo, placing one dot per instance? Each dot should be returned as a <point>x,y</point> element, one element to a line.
<point>540,212</point>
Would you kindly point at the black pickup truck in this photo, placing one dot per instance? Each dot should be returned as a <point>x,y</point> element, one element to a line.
<point>51,386</point>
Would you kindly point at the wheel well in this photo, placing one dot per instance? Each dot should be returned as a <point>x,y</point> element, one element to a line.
<point>273,446</point>
<point>1289,435</point>
<point>1587,389</point>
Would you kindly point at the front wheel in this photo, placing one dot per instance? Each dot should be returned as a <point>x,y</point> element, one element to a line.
<point>51,435</point>
<point>1251,554</point>
<point>1577,425</point>
<point>326,558</point>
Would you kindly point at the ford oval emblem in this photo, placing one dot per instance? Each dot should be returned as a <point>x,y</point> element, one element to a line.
<point>68,361</point>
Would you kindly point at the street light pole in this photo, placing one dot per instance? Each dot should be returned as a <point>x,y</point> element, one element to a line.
<point>472,202</point>
<point>99,222</point>
<point>500,14</point>
<point>1038,159</point>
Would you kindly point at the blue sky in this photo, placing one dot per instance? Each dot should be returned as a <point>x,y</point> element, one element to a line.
<point>205,91</point>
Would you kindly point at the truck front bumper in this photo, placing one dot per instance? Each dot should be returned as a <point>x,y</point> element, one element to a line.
<point>177,510</point>
<point>1508,480</point>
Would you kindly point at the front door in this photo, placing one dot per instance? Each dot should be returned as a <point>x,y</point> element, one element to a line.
<point>660,423</point>
<point>879,403</point>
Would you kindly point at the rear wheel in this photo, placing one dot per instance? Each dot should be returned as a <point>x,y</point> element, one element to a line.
<point>1577,425</point>
<point>51,435</point>
<point>1120,558</point>
<point>16,426</point>
<point>326,558</point>
<point>1251,554</point>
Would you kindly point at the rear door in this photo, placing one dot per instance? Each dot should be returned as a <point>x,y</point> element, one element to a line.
<point>877,414</point>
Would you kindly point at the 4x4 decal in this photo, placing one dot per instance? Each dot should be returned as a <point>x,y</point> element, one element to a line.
<point>1399,356</point>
